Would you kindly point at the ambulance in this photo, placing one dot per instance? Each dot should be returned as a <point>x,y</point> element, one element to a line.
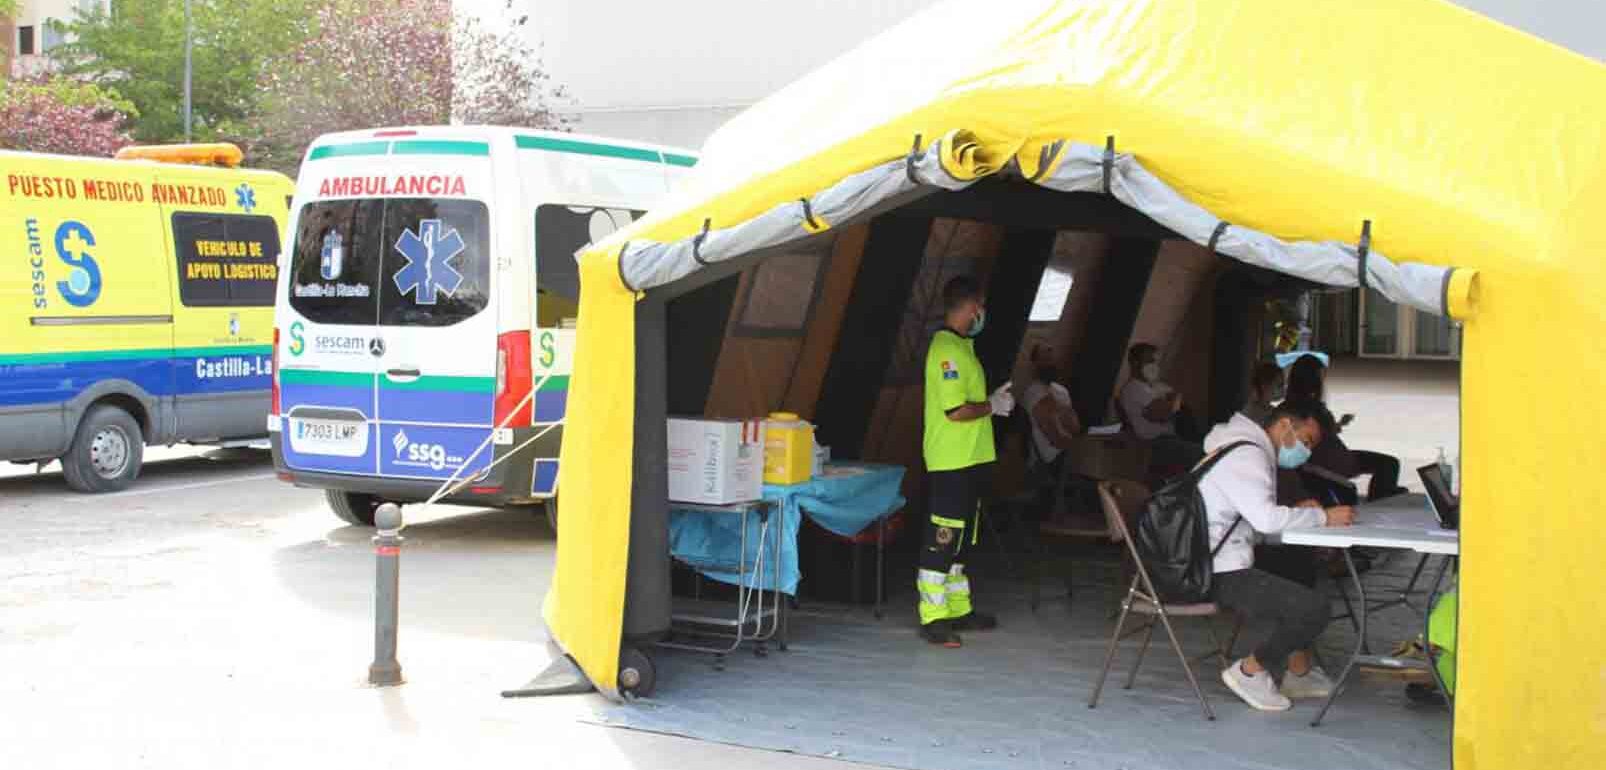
<point>426,308</point>
<point>136,305</point>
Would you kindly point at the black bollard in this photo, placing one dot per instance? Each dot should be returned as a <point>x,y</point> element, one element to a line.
<point>385,670</point>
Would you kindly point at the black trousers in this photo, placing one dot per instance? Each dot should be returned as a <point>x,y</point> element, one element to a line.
<point>1385,470</point>
<point>940,578</point>
<point>1299,614</point>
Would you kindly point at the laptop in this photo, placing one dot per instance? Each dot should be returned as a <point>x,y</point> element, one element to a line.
<point>1446,506</point>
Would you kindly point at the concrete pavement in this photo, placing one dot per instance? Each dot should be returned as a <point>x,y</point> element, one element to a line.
<point>216,617</point>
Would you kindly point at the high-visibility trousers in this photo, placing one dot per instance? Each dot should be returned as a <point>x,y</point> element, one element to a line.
<point>943,588</point>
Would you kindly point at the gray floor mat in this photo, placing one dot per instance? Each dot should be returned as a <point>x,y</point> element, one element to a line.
<point>857,689</point>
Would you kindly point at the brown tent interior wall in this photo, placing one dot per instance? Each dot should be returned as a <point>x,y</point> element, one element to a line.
<point>1169,317</point>
<point>779,335</point>
<point>1080,254</point>
<point>835,328</point>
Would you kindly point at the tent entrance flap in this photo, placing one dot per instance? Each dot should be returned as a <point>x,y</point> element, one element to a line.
<point>647,600</point>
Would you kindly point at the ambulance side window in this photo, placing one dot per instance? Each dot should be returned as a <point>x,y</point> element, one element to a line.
<point>334,270</point>
<point>225,260</point>
<point>560,231</point>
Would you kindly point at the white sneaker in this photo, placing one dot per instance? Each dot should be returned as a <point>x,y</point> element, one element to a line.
<point>1257,690</point>
<point>1313,684</point>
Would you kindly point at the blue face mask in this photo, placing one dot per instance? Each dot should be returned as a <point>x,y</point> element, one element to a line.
<point>1291,457</point>
<point>978,324</point>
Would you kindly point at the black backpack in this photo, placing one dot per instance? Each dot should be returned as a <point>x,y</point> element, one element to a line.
<point>1172,536</point>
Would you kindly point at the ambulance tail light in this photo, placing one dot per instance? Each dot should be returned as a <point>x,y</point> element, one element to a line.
<point>274,407</point>
<point>395,132</point>
<point>513,381</point>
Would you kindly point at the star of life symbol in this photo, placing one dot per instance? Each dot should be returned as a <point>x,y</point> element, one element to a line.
<point>333,256</point>
<point>246,197</point>
<point>429,253</point>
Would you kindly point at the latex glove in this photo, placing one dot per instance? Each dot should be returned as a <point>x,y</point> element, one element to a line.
<point>1002,401</point>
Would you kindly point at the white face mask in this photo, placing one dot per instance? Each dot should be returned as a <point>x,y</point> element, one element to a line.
<point>1151,371</point>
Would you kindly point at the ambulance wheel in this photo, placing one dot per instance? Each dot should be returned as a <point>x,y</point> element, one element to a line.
<point>354,508</point>
<point>106,451</point>
<point>637,673</point>
<point>551,508</point>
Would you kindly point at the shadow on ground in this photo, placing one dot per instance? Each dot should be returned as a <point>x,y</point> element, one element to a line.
<point>471,572</point>
<point>156,476</point>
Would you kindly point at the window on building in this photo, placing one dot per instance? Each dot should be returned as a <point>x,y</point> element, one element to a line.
<point>25,43</point>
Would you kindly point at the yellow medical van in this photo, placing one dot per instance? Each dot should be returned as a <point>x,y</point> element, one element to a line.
<point>136,305</point>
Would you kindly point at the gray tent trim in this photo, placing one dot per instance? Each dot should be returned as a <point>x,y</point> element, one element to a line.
<point>645,265</point>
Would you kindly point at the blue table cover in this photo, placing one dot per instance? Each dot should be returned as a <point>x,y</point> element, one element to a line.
<point>846,499</point>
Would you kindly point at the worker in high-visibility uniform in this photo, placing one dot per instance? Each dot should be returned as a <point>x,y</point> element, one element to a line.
<point>959,453</point>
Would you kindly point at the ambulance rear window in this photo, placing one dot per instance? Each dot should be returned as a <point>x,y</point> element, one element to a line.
<point>391,261</point>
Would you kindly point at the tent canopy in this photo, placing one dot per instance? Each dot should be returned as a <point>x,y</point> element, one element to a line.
<point>1463,142</point>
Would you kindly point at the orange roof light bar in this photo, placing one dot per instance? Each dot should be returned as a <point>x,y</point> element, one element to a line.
<point>214,154</point>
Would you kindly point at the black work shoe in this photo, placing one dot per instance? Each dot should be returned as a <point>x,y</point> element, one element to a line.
<point>976,621</point>
<point>941,632</point>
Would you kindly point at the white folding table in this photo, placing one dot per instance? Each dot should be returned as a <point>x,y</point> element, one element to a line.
<point>1402,522</point>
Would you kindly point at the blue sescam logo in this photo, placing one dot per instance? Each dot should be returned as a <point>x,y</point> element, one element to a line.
<point>82,287</point>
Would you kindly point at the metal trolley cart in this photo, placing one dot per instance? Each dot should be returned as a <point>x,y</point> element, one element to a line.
<point>759,613</point>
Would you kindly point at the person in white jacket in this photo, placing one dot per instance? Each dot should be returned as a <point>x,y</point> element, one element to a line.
<point>1240,497</point>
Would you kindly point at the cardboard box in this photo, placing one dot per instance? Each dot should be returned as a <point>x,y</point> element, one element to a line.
<point>716,462</point>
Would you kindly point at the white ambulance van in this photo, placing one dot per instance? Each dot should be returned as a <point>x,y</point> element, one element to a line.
<point>428,285</point>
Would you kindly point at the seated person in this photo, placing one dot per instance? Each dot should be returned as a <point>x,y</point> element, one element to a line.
<point>1054,424</point>
<point>1048,405</point>
<point>1240,501</point>
<point>1306,383</point>
<point>1155,411</point>
<point>1293,562</point>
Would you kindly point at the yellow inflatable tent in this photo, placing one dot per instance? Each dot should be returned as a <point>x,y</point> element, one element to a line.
<point>1454,164</point>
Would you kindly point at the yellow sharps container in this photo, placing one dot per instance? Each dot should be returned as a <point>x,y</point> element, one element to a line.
<point>788,449</point>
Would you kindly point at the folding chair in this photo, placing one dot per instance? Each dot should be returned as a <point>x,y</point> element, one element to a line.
<point>1058,528</point>
<point>1125,498</point>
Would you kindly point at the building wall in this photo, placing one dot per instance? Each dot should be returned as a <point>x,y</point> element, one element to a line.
<point>37,15</point>
<point>673,72</point>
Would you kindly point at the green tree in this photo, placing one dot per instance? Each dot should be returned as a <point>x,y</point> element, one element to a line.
<point>138,49</point>
<point>400,63</point>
